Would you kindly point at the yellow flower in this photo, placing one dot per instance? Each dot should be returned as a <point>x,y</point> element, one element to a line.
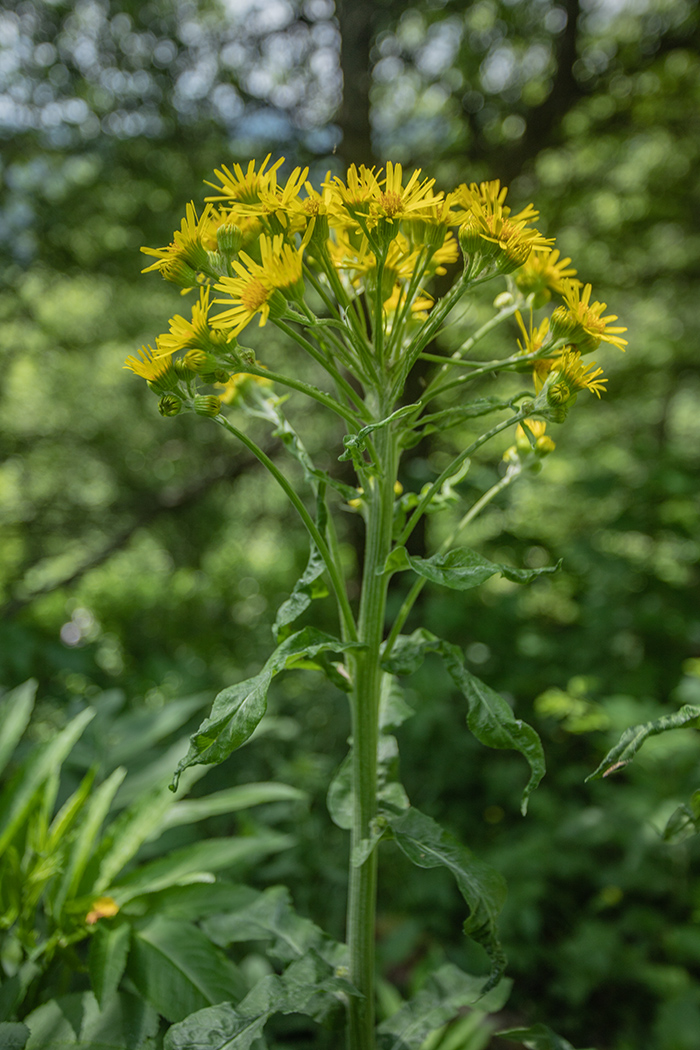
<point>102,908</point>
<point>580,322</point>
<point>542,274</point>
<point>366,193</point>
<point>570,375</point>
<point>152,367</point>
<point>186,254</point>
<point>537,427</point>
<point>193,334</point>
<point>280,271</point>
<point>535,338</point>
<point>244,187</point>
<point>490,229</point>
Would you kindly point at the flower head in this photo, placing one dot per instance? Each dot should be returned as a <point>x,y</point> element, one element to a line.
<point>580,322</point>
<point>192,334</point>
<point>569,375</point>
<point>245,187</point>
<point>186,254</point>
<point>542,274</point>
<point>152,367</point>
<point>280,270</point>
<point>489,229</point>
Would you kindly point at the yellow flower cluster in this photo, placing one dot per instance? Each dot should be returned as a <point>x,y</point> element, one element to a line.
<point>262,239</point>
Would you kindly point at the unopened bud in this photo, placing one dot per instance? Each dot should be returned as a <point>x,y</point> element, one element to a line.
<point>229,238</point>
<point>169,405</point>
<point>199,361</point>
<point>207,405</point>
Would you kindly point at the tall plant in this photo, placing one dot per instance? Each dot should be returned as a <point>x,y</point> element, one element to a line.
<point>342,271</point>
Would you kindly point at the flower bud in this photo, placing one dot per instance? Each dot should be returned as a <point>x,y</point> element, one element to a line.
<point>169,405</point>
<point>182,371</point>
<point>179,272</point>
<point>278,304</point>
<point>207,405</point>
<point>229,238</point>
<point>199,361</point>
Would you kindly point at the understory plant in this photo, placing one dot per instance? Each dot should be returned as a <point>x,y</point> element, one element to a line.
<point>343,271</point>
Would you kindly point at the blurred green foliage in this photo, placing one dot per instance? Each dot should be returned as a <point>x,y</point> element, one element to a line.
<point>142,553</point>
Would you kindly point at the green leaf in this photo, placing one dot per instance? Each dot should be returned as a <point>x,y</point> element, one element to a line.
<point>272,918</point>
<point>25,788</point>
<point>199,900</point>
<point>13,1036</point>
<point>444,994</point>
<point>229,801</point>
<point>339,799</point>
<point>84,844</point>
<point>197,862</point>
<point>69,812</point>
<point>238,710</point>
<point>15,988</point>
<point>356,444</point>
<point>109,948</point>
<point>489,717</point>
<point>178,970</point>
<point>428,845</point>
<point>127,833</point>
<point>537,1037</point>
<point>460,569</point>
<point>15,711</point>
<point>632,739</point>
<point>684,822</point>
<point>76,1022</point>
<point>308,986</point>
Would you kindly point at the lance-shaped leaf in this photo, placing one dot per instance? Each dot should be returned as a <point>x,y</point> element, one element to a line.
<point>444,994</point>
<point>15,711</point>
<point>308,986</point>
<point>238,710</point>
<point>109,948</point>
<point>537,1037</point>
<point>76,1022</point>
<point>489,717</point>
<point>272,918</point>
<point>632,739</point>
<point>428,845</point>
<point>460,569</point>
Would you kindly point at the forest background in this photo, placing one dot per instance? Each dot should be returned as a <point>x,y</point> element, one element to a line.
<point>142,560</point>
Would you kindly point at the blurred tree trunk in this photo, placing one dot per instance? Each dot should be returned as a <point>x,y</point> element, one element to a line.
<point>357,23</point>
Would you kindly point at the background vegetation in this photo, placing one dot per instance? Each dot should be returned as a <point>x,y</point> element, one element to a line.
<point>146,556</point>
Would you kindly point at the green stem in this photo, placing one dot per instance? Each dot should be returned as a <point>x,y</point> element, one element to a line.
<point>332,568</point>
<point>311,391</point>
<point>367,679</point>
<point>319,357</point>
<point>452,469</point>
<point>410,599</point>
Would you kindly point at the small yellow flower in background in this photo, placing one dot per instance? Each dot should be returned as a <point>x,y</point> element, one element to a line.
<point>543,442</point>
<point>186,254</point>
<point>542,274</point>
<point>102,908</point>
<point>579,321</point>
<point>233,388</point>
<point>534,339</point>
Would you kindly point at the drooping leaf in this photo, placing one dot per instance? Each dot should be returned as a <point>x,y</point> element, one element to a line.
<point>197,863</point>
<point>489,716</point>
<point>308,986</point>
<point>445,992</point>
<point>13,1036</point>
<point>460,569</point>
<point>15,711</point>
<point>272,918</point>
<point>76,1022</point>
<point>428,845</point>
<point>632,739</point>
<point>238,709</point>
<point>178,970</point>
<point>537,1037</point>
<point>26,785</point>
<point>109,948</point>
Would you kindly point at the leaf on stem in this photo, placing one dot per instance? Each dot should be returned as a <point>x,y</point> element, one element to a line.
<point>444,994</point>
<point>460,569</point>
<point>308,986</point>
<point>109,948</point>
<point>632,739</point>
<point>272,918</point>
<point>428,845</point>
<point>537,1037</point>
<point>489,717</point>
<point>356,444</point>
<point>238,710</point>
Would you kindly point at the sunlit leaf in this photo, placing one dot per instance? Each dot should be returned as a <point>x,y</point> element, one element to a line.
<point>460,569</point>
